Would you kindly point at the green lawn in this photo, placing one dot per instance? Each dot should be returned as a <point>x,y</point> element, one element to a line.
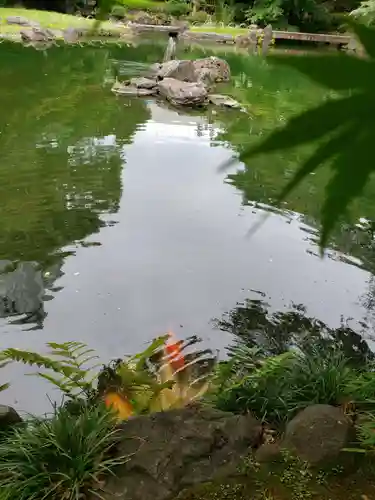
<point>52,20</point>
<point>225,30</point>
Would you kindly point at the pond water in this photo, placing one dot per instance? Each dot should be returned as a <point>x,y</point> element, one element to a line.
<point>117,226</point>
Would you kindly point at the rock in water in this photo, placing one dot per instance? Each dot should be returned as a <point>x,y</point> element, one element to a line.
<point>176,449</point>
<point>143,83</point>
<point>182,93</point>
<point>179,70</point>
<point>318,434</point>
<point>37,34</point>
<point>8,417</point>
<point>132,89</point>
<point>217,68</point>
<point>223,100</point>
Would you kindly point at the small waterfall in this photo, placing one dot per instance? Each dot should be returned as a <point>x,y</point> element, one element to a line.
<point>170,51</point>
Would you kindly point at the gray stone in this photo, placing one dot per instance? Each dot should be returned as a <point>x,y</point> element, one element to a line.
<point>8,417</point>
<point>22,21</point>
<point>269,453</point>
<point>126,89</point>
<point>223,100</point>
<point>217,68</point>
<point>179,70</point>
<point>143,83</point>
<point>267,39</point>
<point>182,93</point>
<point>318,434</point>
<point>177,449</point>
<point>37,34</point>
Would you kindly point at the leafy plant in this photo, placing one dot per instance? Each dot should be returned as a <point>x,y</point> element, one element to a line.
<point>365,12</point>
<point>64,457</point>
<point>159,378</point>
<point>264,11</point>
<point>342,127</point>
<point>67,362</point>
<point>276,387</point>
<point>177,8</point>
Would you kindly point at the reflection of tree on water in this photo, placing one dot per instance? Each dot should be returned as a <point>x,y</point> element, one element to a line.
<point>251,323</point>
<point>61,137</point>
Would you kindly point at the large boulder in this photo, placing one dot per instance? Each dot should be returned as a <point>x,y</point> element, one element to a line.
<point>37,34</point>
<point>318,434</point>
<point>212,69</point>
<point>183,93</point>
<point>180,70</point>
<point>176,449</point>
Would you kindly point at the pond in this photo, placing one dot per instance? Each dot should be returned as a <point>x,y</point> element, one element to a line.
<point>117,225</point>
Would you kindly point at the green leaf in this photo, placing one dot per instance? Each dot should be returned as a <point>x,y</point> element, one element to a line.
<point>353,167</point>
<point>4,387</point>
<point>365,35</point>
<point>337,72</point>
<point>323,153</point>
<point>311,125</point>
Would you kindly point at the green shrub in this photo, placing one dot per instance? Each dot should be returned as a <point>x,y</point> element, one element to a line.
<point>199,17</point>
<point>119,11</point>
<point>177,9</point>
<point>365,12</point>
<point>64,457</point>
<point>276,387</point>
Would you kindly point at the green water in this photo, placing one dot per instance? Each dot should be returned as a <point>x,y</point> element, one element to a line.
<point>116,224</point>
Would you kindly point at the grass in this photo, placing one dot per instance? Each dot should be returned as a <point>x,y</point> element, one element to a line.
<point>217,28</point>
<point>52,20</point>
<point>62,457</point>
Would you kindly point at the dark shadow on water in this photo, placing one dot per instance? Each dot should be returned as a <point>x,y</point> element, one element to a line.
<point>251,323</point>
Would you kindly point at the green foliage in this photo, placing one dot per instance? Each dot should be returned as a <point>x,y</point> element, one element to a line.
<point>63,457</point>
<point>199,17</point>
<point>265,11</point>
<point>341,127</point>
<point>276,387</point>
<point>177,8</point>
<point>365,12</point>
<point>366,432</point>
<point>67,362</point>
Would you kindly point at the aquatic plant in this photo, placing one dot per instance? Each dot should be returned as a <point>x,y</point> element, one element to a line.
<point>62,457</point>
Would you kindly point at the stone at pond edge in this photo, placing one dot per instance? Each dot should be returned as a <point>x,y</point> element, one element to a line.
<point>183,93</point>
<point>8,417</point>
<point>21,21</point>
<point>223,100</point>
<point>318,434</point>
<point>143,83</point>
<point>269,453</point>
<point>212,68</point>
<point>176,449</point>
<point>126,89</point>
<point>179,70</point>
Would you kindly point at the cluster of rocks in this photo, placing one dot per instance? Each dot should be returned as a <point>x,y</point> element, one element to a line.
<point>171,451</point>
<point>181,82</point>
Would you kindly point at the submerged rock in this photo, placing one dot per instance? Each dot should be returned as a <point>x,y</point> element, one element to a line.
<point>318,434</point>
<point>130,89</point>
<point>223,100</point>
<point>176,449</point>
<point>183,93</point>
<point>217,69</point>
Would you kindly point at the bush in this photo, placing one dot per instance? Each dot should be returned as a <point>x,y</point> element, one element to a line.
<point>119,11</point>
<point>63,457</point>
<point>365,12</point>
<point>275,388</point>
<point>177,9</point>
<point>199,17</point>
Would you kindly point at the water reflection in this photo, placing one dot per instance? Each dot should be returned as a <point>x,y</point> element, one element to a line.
<point>253,323</point>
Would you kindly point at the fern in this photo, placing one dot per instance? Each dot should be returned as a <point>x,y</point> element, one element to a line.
<point>67,362</point>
